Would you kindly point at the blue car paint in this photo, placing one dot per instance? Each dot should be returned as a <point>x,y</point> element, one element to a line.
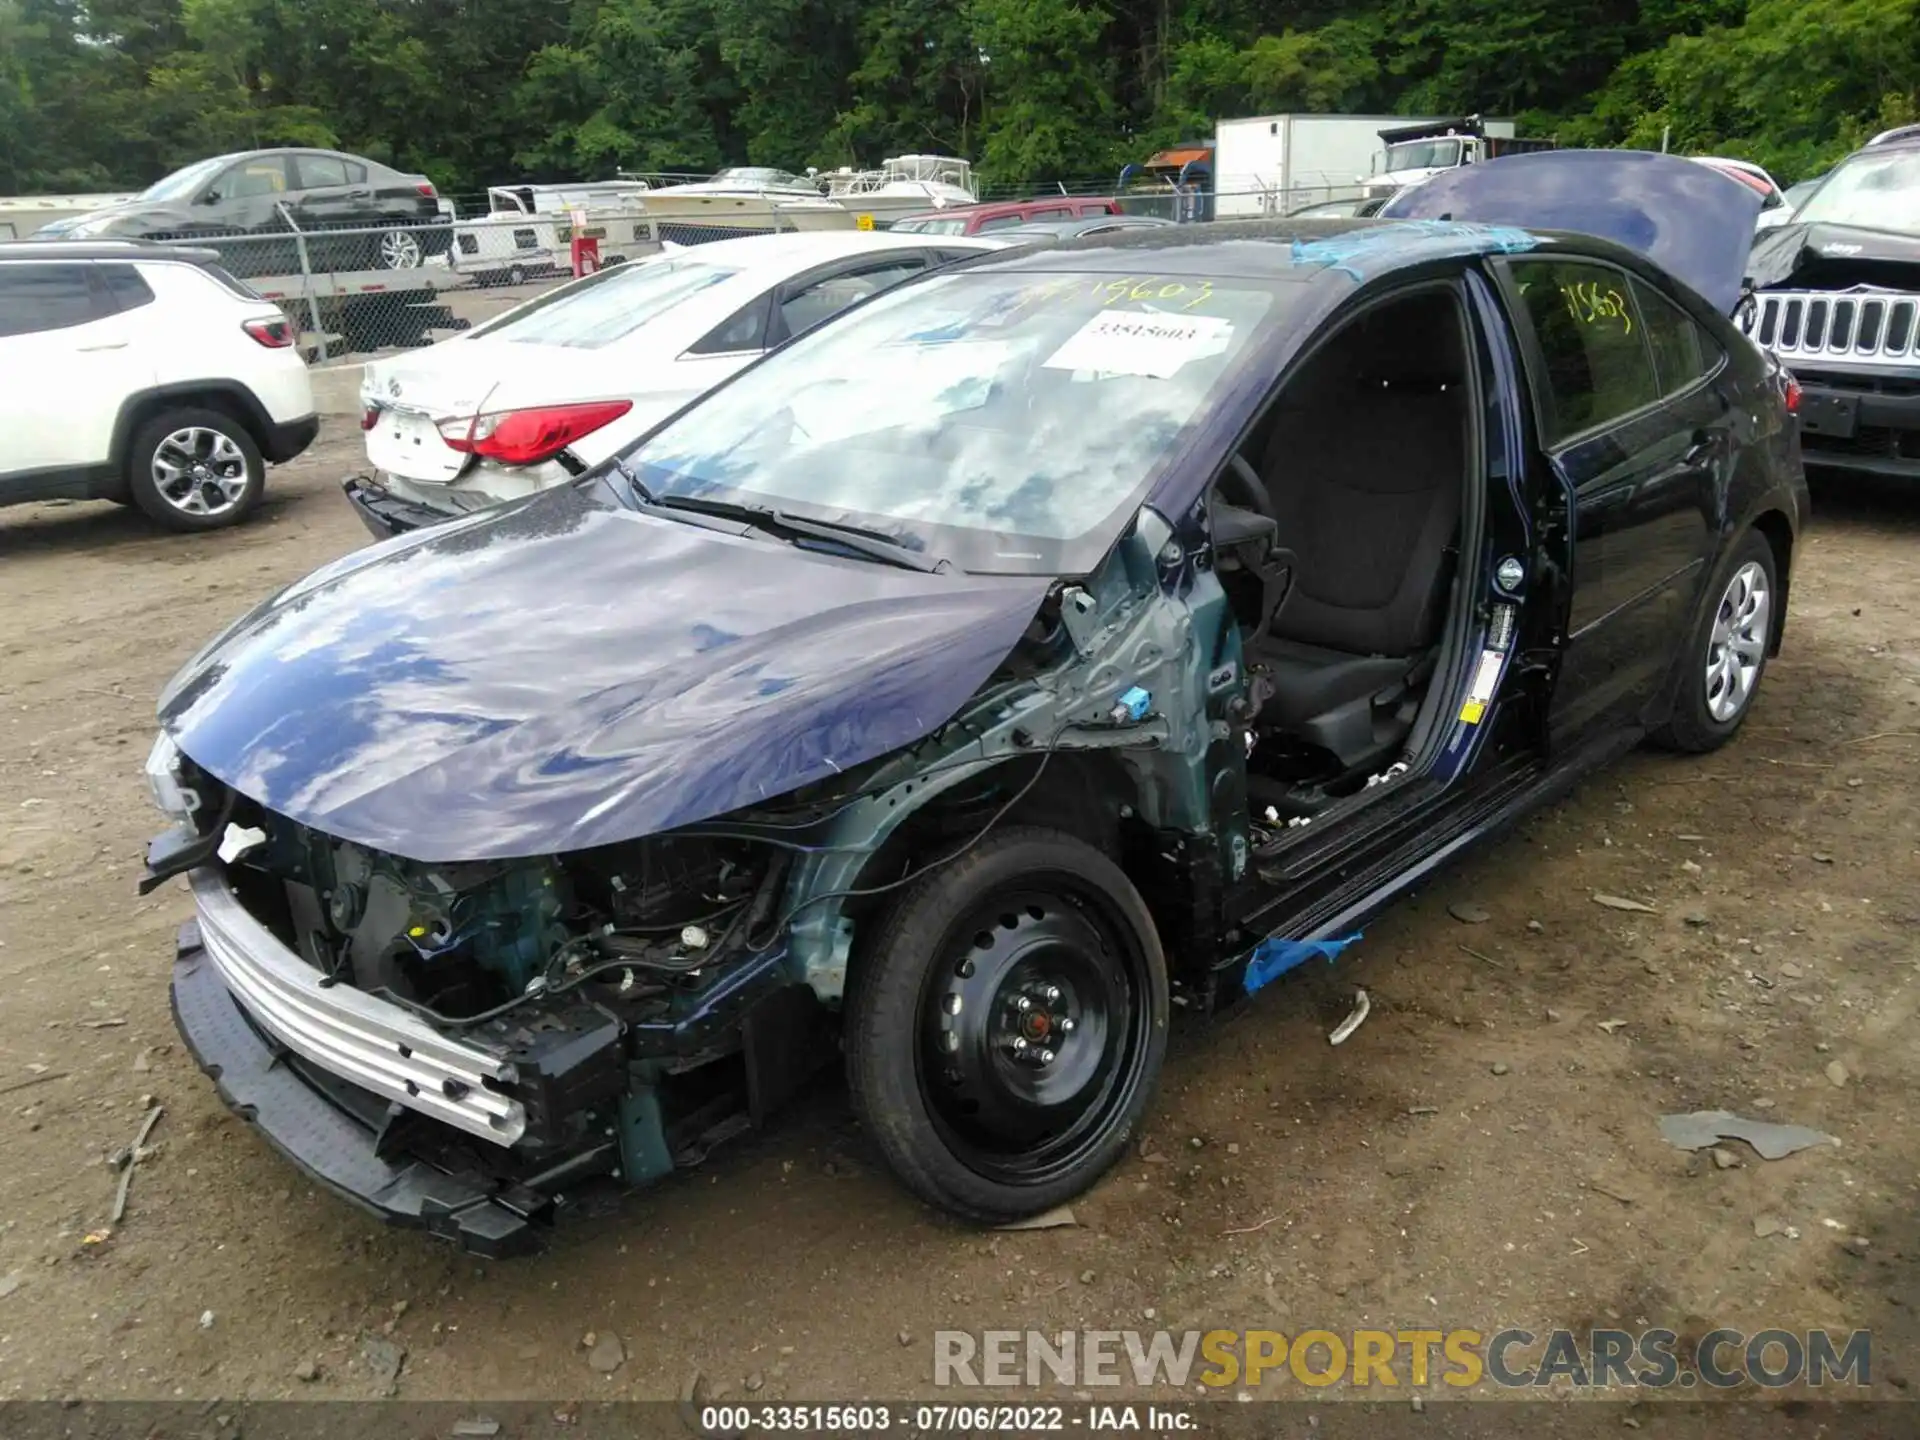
<point>1689,219</point>
<point>563,673</point>
<point>568,673</point>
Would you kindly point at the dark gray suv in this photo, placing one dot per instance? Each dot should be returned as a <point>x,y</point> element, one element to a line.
<point>370,216</point>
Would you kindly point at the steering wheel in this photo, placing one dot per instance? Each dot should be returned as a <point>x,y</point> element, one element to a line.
<point>1241,486</point>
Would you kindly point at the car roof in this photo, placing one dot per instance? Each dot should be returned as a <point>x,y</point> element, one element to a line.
<point>1080,224</point>
<point>1297,251</point>
<point>1279,249</point>
<point>755,253</point>
<point>1907,137</point>
<point>988,209</point>
<point>80,250</point>
<point>233,155</point>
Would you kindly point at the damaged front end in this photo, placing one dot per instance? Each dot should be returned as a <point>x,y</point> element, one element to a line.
<point>480,1047</point>
<point>485,1039</point>
<point>1838,301</point>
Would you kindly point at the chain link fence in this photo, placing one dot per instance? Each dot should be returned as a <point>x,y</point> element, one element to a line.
<point>354,290</point>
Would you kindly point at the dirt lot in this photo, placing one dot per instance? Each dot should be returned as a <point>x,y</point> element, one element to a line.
<point>1482,1153</point>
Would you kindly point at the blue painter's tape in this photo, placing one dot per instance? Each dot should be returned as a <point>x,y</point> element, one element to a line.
<point>1274,958</point>
<point>1406,239</point>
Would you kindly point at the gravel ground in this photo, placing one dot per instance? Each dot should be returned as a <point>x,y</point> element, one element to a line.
<point>1482,1153</point>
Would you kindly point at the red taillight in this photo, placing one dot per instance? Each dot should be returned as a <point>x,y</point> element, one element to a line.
<point>527,437</point>
<point>1791,393</point>
<point>369,416</point>
<point>425,187</point>
<point>274,334</point>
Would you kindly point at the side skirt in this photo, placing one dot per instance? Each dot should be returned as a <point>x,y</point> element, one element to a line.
<point>1346,886</point>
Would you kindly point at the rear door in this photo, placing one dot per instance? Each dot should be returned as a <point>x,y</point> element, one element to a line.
<point>1639,459</point>
<point>332,190</point>
<point>66,347</point>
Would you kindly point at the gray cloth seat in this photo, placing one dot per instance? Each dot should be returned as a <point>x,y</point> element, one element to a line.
<point>1367,488</point>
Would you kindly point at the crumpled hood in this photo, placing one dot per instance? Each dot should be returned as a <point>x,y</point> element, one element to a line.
<point>565,672</point>
<point>1689,219</point>
<point>1813,252</point>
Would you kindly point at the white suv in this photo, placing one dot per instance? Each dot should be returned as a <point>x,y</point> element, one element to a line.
<point>147,375</point>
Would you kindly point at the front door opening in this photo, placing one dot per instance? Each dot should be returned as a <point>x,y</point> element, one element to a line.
<point>1338,527</point>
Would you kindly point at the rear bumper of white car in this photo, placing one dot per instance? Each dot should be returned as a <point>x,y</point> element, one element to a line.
<point>385,513</point>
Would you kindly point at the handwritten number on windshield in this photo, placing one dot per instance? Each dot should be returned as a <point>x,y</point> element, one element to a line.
<point>1151,290</point>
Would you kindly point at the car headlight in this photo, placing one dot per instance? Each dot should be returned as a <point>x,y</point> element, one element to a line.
<point>166,779</point>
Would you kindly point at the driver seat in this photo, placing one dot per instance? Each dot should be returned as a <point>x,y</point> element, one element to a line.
<point>1367,489</point>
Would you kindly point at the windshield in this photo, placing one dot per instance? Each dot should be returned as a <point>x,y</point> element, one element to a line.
<point>185,183</point>
<point>1423,155</point>
<point>755,175</point>
<point>1873,191</point>
<point>1008,423</point>
<point>608,306</point>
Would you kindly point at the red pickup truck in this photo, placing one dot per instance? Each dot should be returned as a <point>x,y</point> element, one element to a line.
<point>1004,214</point>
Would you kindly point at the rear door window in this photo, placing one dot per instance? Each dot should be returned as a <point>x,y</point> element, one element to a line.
<point>38,298</point>
<point>1592,357</point>
<point>1683,352</point>
<point>126,288</point>
<point>323,172</point>
<point>744,330</point>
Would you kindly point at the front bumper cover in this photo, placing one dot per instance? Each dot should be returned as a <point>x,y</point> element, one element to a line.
<point>1867,422</point>
<point>262,1085</point>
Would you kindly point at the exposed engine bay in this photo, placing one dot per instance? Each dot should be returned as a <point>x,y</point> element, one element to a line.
<point>458,942</point>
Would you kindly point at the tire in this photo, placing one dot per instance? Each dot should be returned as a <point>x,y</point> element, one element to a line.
<point>1726,656</point>
<point>172,442</point>
<point>1075,1067</point>
<point>400,247</point>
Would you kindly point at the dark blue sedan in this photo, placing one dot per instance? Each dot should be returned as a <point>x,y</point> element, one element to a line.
<point>1067,632</point>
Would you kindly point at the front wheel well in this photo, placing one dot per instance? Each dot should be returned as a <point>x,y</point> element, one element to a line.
<point>1086,795</point>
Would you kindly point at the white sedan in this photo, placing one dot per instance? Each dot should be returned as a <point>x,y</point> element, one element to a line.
<point>1774,209</point>
<point>541,393</point>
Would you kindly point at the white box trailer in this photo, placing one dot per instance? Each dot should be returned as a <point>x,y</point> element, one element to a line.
<point>1272,164</point>
<point>22,215</point>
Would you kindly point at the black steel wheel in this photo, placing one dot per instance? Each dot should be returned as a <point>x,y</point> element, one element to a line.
<point>1007,1026</point>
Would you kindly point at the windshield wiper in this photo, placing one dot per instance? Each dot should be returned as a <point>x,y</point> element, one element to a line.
<point>872,544</point>
<point>634,484</point>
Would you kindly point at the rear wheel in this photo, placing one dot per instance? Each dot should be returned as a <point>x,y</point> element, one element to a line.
<point>194,469</point>
<point>1006,1031</point>
<point>1727,655</point>
<point>399,248</point>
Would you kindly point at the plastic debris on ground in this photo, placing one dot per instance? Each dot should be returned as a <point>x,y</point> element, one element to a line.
<point>1362,1007</point>
<point>1274,958</point>
<point>1703,1128</point>
<point>1057,1218</point>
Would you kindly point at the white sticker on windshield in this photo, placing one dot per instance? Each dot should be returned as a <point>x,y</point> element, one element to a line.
<point>1140,342</point>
